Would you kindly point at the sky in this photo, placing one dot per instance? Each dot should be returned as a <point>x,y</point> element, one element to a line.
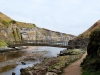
<point>66,16</point>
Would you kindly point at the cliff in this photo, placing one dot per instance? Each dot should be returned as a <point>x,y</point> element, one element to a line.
<point>91,64</point>
<point>83,38</point>
<point>87,33</point>
<point>11,30</point>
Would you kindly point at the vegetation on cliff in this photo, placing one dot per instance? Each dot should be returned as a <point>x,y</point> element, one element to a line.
<point>91,64</point>
<point>16,35</point>
<point>83,38</point>
<point>3,43</point>
<point>87,33</point>
<point>6,23</point>
<point>11,30</point>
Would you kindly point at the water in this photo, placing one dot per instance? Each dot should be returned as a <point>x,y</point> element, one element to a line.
<point>17,68</point>
<point>50,52</point>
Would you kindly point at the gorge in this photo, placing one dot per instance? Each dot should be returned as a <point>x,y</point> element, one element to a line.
<point>12,30</point>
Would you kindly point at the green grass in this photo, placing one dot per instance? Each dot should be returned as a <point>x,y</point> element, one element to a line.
<point>3,43</point>
<point>12,21</point>
<point>25,25</point>
<point>64,61</point>
<point>16,35</point>
<point>4,17</point>
<point>90,73</point>
<point>5,23</point>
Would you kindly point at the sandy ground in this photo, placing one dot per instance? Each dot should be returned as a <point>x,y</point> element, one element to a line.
<point>74,68</point>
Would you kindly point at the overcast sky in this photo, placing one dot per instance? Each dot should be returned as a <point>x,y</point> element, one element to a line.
<point>67,16</point>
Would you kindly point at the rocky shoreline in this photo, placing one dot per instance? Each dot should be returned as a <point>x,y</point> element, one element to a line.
<point>25,56</point>
<point>53,65</point>
<point>7,49</point>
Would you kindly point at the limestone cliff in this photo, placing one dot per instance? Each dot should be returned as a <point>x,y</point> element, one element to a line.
<point>11,30</point>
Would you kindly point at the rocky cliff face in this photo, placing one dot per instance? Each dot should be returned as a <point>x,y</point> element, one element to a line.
<point>37,33</point>
<point>79,42</point>
<point>12,30</point>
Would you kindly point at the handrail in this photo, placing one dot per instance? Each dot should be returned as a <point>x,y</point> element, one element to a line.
<point>39,43</point>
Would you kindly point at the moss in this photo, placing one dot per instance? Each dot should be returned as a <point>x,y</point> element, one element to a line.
<point>16,35</point>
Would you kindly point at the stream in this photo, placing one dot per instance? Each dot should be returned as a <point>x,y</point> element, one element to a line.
<point>17,57</point>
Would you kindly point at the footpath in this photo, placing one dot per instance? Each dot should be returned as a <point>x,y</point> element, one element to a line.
<point>74,68</point>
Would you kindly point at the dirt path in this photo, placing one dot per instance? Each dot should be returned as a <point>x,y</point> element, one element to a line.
<point>74,68</point>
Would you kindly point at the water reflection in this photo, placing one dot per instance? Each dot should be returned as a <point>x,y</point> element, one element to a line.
<point>17,69</point>
<point>50,52</point>
<point>10,55</point>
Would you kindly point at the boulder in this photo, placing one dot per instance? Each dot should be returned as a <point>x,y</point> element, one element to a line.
<point>51,73</point>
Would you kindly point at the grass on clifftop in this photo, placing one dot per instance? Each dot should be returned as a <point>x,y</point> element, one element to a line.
<point>5,21</point>
<point>26,25</point>
<point>4,17</point>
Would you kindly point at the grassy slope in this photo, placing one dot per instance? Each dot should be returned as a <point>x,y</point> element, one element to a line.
<point>3,17</point>
<point>4,20</point>
<point>5,23</point>
<point>90,64</point>
<point>83,37</point>
<point>26,25</point>
<point>88,32</point>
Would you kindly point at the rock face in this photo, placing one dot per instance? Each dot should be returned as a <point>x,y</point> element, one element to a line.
<point>43,34</point>
<point>79,42</point>
<point>11,30</point>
